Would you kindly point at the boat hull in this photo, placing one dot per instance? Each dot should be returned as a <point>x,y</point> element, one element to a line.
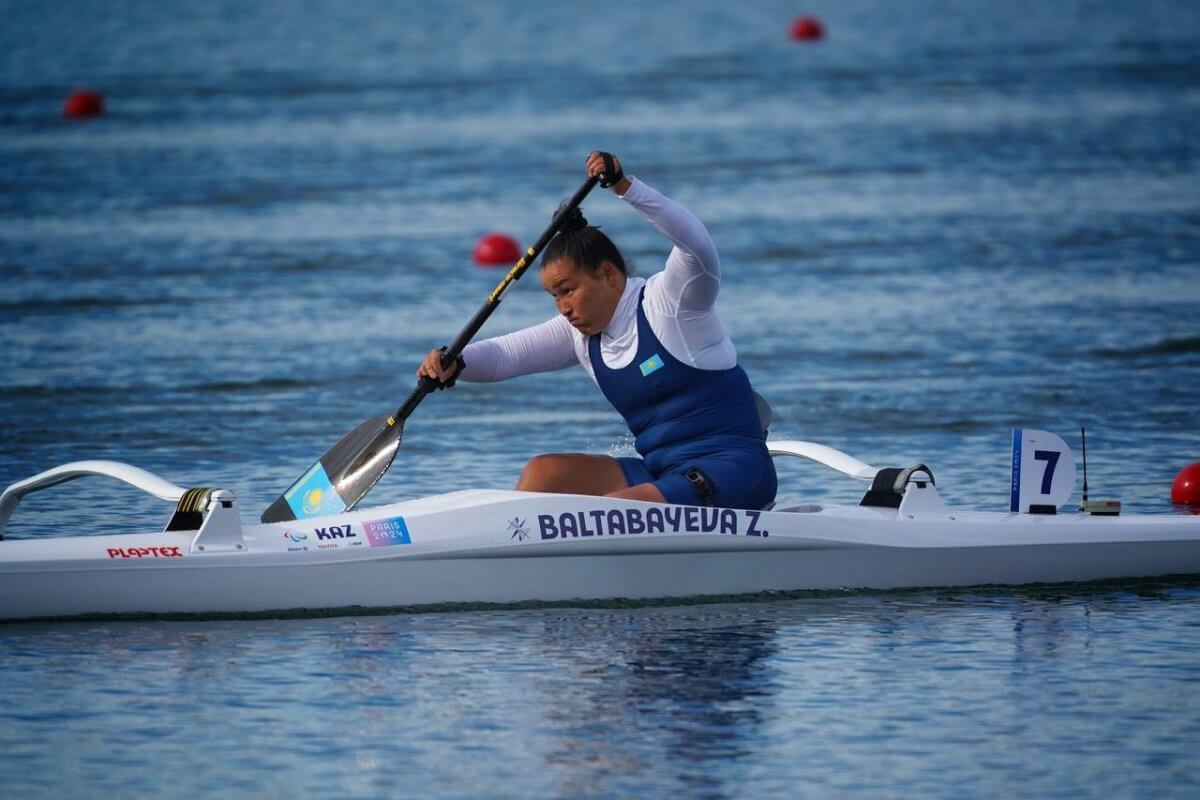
<point>409,584</point>
<point>509,547</point>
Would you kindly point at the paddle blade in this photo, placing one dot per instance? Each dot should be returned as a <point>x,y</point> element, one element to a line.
<point>342,476</point>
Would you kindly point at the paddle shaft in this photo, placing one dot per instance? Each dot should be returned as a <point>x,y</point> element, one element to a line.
<point>427,384</point>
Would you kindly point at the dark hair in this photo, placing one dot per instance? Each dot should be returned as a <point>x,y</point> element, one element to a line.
<point>583,245</point>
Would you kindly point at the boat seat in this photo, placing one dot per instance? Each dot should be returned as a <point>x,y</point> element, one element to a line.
<point>764,419</point>
<point>764,412</point>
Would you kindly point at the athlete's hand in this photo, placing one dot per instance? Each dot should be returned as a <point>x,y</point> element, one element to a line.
<point>616,179</point>
<point>431,367</point>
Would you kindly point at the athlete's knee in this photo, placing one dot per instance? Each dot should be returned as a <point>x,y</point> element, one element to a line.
<point>541,474</point>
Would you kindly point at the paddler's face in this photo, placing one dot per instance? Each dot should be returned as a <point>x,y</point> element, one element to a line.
<point>587,299</point>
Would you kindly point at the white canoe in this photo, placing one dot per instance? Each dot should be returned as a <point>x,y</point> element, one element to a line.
<point>487,546</point>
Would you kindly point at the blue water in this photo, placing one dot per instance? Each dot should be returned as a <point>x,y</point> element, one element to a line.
<point>944,221</point>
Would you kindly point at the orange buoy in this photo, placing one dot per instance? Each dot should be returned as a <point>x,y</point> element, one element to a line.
<point>83,103</point>
<point>1186,488</point>
<point>497,249</point>
<point>807,29</point>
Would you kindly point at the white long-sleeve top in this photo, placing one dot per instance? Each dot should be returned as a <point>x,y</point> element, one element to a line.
<point>679,306</point>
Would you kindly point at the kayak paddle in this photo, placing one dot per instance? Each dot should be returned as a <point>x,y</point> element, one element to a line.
<point>349,469</point>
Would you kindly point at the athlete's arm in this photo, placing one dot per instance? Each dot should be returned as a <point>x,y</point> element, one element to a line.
<point>541,348</point>
<point>692,276</point>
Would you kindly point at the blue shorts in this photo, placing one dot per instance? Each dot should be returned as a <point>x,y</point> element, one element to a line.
<point>741,479</point>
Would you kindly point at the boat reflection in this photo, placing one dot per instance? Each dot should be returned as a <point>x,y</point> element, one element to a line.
<point>687,689</point>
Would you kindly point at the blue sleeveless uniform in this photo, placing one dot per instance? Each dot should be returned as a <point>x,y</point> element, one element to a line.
<point>684,418</point>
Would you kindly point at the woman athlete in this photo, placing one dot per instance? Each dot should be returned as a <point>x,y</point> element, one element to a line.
<point>658,352</point>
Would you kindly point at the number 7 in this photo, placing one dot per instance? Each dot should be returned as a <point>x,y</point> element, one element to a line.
<point>1051,459</point>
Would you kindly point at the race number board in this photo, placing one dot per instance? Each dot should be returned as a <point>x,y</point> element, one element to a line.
<point>1043,470</point>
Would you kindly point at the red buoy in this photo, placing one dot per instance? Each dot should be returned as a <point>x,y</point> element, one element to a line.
<point>497,249</point>
<point>1186,488</point>
<point>807,29</point>
<point>83,103</point>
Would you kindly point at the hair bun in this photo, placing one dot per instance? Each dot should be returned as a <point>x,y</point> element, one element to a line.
<point>573,221</point>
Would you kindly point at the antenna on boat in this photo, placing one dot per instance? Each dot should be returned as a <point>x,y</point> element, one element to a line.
<point>1083,443</point>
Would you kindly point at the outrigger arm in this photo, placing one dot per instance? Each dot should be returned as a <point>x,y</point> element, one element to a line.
<point>910,490</point>
<point>823,454</point>
<point>212,513</point>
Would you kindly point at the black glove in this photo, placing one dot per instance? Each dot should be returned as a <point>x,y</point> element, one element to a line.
<point>612,173</point>
<point>460,364</point>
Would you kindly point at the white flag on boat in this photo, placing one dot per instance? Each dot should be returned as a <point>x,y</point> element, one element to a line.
<point>1043,470</point>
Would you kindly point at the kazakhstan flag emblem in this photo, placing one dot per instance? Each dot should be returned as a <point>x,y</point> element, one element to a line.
<point>650,364</point>
<point>314,495</point>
